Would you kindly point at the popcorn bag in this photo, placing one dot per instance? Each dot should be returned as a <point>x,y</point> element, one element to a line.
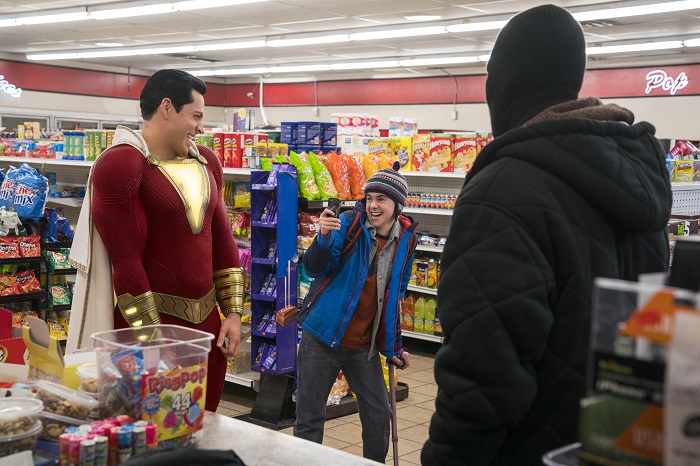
<point>156,373</point>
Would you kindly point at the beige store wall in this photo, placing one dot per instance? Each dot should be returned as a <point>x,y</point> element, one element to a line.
<point>673,116</point>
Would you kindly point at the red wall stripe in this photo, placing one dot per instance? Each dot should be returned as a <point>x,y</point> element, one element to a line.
<point>604,83</point>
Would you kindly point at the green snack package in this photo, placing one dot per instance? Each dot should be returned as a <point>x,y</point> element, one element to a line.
<point>60,295</point>
<point>323,178</point>
<point>307,183</point>
<point>266,163</point>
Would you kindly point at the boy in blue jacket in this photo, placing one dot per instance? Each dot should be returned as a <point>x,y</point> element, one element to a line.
<point>351,313</point>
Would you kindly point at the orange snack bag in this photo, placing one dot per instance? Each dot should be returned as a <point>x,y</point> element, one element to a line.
<point>369,165</point>
<point>383,163</point>
<point>357,176</point>
<point>339,172</point>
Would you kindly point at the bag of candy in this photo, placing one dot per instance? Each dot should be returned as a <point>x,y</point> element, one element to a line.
<point>338,169</point>
<point>24,190</point>
<point>324,181</point>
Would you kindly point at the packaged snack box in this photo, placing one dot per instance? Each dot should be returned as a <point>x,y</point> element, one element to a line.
<point>440,158</point>
<point>465,152</point>
<point>421,152</point>
<point>401,151</point>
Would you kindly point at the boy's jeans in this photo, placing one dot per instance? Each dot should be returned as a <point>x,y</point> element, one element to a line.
<point>317,367</point>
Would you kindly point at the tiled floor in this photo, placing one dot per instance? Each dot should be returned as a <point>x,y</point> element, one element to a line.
<point>345,433</point>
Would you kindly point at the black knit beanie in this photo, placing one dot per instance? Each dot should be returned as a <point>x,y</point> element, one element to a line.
<point>538,61</point>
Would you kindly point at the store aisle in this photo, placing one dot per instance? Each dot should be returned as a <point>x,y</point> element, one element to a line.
<point>345,433</point>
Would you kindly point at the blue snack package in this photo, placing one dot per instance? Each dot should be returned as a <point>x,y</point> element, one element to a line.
<point>50,231</point>
<point>24,190</point>
<point>63,225</point>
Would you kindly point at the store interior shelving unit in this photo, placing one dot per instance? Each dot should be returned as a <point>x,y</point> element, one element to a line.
<point>686,199</point>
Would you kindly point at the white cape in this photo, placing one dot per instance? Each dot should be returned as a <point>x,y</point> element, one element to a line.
<point>94,300</point>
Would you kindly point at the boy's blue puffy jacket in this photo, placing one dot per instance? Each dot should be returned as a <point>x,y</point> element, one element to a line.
<point>339,279</point>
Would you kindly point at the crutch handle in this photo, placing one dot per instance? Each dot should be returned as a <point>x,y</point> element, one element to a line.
<point>392,363</point>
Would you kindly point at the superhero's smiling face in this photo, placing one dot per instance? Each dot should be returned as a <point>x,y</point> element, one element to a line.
<point>186,124</point>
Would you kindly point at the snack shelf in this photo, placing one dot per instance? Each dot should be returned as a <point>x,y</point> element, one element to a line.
<point>56,245</point>
<point>264,261</point>
<point>24,260</point>
<point>16,298</point>
<point>71,271</point>
<point>264,224</point>
<point>260,334</point>
<point>421,336</point>
<point>264,187</point>
<point>72,163</point>
<point>306,204</point>
<point>247,379</point>
<point>418,210</point>
<point>237,171</point>
<point>264,297</point>
<point>66,201</point>
<point>433,174</point>
<point>429,248</point>
<point>60,308</point>
<point>422,289</point>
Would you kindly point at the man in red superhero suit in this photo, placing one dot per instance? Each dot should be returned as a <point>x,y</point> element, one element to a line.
<point>158,207</point>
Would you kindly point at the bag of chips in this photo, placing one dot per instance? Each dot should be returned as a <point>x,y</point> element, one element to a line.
<point>324,181</point>
<point>24,190</point>
<point>369,165</point>
<point>307,183</point>
<point>356,175</point>
<point>338,169</point>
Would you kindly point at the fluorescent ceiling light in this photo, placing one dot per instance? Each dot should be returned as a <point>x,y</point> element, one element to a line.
<point>132,11</point>
<point>309,40</point>
<point>231,46</point>
<point>671,44</point>
<point>692,43</point>
<point>200,5</point>
<point>106,53</point>
<point>52,56</point>
<point>8,22</point>
<point>57,18</point>
<point>109,44</point>
<point>438,61</point>
<point>165,50</point>
<point>396,33</point>
<point>365,65</point>
<point>422,17</point>
<point>298,68</point>
<point>484,57</point>
<point>629,11</point>
<point>240,71</point>
<point>482,26</point>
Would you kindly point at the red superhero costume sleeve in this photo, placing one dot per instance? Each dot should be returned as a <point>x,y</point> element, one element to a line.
<point>119,216</point>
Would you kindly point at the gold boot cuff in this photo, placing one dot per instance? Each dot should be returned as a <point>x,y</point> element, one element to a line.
<point>139,310</point>
<point>229,290</point>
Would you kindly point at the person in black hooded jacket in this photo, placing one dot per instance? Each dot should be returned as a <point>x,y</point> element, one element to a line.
<point>569,190</point>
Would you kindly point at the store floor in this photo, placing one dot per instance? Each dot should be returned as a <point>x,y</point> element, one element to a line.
<point>345,433</point>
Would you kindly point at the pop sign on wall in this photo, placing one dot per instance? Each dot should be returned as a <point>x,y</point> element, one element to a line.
<point>660,79</point>
<point>11,89</point>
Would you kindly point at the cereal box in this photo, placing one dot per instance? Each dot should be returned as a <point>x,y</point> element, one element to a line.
<point>683,171</point>
<point>401,148</point>
<point>378,147</point>
<point>696,170</point>
<point>440,158</point>
<point>465,152</point>
<point>421,152</point>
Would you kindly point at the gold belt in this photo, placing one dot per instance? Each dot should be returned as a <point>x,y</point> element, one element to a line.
<point>190,310</point>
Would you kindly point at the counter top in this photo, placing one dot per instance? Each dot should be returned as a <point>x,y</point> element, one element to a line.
<point>260,446</point>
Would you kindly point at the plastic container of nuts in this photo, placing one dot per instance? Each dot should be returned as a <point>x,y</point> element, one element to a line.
<point>65,401</point>
<point>18,415</point>
<point>14,443</point>
<point>55,424</point>
<point>88,377</point>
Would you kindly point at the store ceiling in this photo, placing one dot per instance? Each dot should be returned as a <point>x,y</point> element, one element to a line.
<point>287,19</point>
